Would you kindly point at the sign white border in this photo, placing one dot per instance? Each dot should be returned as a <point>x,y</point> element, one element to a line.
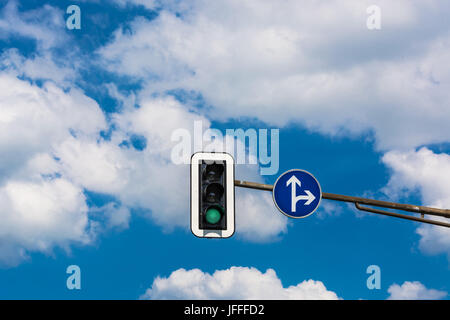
<point>229,178</point>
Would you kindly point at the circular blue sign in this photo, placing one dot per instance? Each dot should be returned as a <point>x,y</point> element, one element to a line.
<point>297,193</point>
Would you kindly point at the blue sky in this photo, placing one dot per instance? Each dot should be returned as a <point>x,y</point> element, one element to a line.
<point>86,119</point>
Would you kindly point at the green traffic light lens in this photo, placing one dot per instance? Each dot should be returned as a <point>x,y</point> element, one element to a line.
<point>213,215</point>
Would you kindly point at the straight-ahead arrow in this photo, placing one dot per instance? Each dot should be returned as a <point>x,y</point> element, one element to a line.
<point>293,181</point>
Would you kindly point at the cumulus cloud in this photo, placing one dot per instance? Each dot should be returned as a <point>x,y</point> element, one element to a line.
<point>35,119</point>
<point>39,24</point>
<point>420,170</point>
<point>329,209</point>
<point>36,216</point>
<point>256,217</point>
<point>39,207</point>
<point>428,173</point>
<point>50,141</point>
<point>40,66</point>
<point>148,179</point>
<point>113,216</point>
<point>234,283</point>
<point>301,62</point>
<point>149,4</point>
<point>245,61</point>
<point>55,56</point>
<point>414,291</point>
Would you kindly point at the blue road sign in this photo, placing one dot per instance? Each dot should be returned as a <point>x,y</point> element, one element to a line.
<point>297,193</point>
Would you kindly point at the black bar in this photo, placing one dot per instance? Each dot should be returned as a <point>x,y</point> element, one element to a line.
<point>225,309</point>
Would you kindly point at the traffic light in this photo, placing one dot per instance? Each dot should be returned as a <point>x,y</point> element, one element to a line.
<point>212,195</point>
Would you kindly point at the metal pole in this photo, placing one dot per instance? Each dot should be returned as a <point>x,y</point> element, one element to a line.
<point>371,202</point>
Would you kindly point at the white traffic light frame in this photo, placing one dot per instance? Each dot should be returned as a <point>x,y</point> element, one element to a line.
<point>195,194</point>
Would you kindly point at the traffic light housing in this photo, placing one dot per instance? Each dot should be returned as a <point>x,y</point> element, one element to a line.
<point>212,195</point>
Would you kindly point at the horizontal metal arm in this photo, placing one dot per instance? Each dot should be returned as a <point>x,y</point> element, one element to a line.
<point>253,185</point>
<point>402,216</point>
<point>371,202</point>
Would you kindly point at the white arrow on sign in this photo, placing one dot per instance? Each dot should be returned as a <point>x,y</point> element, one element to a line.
<point>293,181</point>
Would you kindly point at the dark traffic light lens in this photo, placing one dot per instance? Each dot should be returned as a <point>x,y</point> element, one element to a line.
<point>214,192</point>
<point>213,171</point>
<point>213,215</point>
<point>212,199</point>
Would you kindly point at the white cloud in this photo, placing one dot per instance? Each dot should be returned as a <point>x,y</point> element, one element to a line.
<point>98,166</point>
<point>36,216</point>
<point>56,57</point>
<point>168,197</point>
<point>427,173</point>
<point>414,291</point>
<point>234,283</point>
<point>33,120</point>
<point>50,138</point>
<point>256,216</point>
<point>421,170</point>
<point>148,179</point>
<point>149,4</point>
<point>328,209</point>
<point>38,67</point>
<point>39,208</point>
<point>246,61</point>
<point>45,25</point>
<point>113,215</point>
<point>307,63</point>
